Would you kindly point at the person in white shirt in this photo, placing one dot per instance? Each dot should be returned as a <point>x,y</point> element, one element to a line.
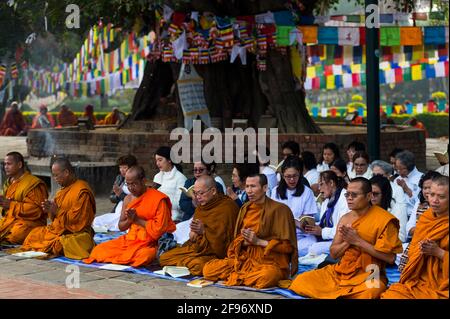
<point>264,168</point>
<point>392,156</point>
<point>310,171</point>
<point>352,148</point>
<point>334,206</point>
<point>408,179</point>
<point>330,152</point>
<point>340,168</point>
<point>382,196</point>
<point>298,197</point>
<point>360,166</point>
<point>169,179</point>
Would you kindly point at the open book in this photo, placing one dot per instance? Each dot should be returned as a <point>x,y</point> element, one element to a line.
<point>189,192</point>
<point>277,167</point>
<point>30,254</point>
<point>200,283</point>
<point>174,271</point>
<point>306,220</point>
<point>441,157</point>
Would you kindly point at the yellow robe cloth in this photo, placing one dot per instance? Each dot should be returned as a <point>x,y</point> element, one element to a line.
<point>25,212</point>
<point>424,277</point>
<point>349,278</point>
<point>219,219</point>
<point>139,246</point>
<point>257,266</point>
<point>70,232</point>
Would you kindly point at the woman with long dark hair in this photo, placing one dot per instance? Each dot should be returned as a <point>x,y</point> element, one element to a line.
<point>382,196</point>
<point>334,206</point>
<point>170,178</point>
<point>330,152</point>
<point>298,197</point>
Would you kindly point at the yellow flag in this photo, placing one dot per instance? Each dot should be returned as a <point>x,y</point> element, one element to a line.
<point>84,88</point>
<point>311,72</point>
<point>416,72</point>
<point>330,82</point>
<point>356,68</point>
<point>296,63</point>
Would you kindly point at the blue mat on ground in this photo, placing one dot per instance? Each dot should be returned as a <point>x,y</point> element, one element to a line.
<point>392,272</point>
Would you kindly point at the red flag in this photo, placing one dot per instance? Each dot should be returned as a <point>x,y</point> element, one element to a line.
<point>333,112</point>
<point>362,35</point>
<point>356,80</point>
<point>398,75</point>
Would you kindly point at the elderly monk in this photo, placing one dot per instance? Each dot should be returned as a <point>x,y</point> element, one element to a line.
<point>71,213</point>
<point>264,250</point>
<point>212,229</point>
<point>425,275</point>
<point>23,195</point>
<point>367,239</point>
<point>147,215</point>
<point>66,117</point>
<point>13,123</point>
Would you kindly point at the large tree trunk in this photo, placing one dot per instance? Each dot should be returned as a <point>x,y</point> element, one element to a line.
<point>234,90</point>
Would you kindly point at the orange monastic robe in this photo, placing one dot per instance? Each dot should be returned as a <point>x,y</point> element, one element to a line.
<point>25,212</point>
<point>258,266</point>
<point>13,123</point>
<point>219,219</point>
<point>67,118</point>
<point>70,232</point>
<point>139,246</point>
<point>111,119</point>
<point>349,278</point>
<point>424,277</point>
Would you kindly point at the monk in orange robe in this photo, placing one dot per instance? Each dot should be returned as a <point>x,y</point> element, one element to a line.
<point>72,212</point>
<point>147,214</point>
<point>13,123</point>
<point>23,195</point>
<point>367,239</point>
<point>66,117</point>
<point>43,119</point>
<point>212,229</point>
<point>264,250</point>
<point>113,118</point>
<point>425,275</point>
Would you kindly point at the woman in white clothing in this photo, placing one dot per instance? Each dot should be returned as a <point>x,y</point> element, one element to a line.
<point>382,196</point>
<point>334,206</point>
<point>310,171</point>
<point>298,197</point>
<point>330,153</point>
<point>170,179</point>
<point>360,166</point>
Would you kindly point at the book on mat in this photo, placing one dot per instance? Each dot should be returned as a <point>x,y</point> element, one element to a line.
<point>189,192</point>
<point>441,157</point>
<point>30,254</point>
<point>277,167</point>
<point>307,220</point>
<point>200,283</point>
<point>176,271</point>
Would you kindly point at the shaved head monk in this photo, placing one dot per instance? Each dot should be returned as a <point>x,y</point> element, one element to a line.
<point>13,122</point>
<point>147,215</point>
<point>212,229</point>
<point>367,239</point>
<point>264,249</point>
<point>425,275</point>
<point>71,214</point>
<point>21,201</point>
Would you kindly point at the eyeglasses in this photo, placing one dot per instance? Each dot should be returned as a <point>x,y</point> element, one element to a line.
<point>196,194</point>
<point>198,170</point>
<point>291,176</point>
<point>376,194</point>
<point>352,195</point>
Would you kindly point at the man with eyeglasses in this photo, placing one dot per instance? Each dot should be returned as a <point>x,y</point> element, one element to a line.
<point>264,249</point>
<point>425,275</point>
<point>211,229</point>
<point>71,214</point>
<point>366,240</point>
<point>147,215</point>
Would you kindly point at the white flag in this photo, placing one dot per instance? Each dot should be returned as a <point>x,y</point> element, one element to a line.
<point>419,108</point>
<point>440,69</point>
<point>348,36</point>
<point>348,80</point>
<point>324,112</point>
